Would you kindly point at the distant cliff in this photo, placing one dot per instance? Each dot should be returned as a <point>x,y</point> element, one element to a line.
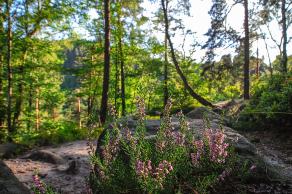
<point>70,68</point>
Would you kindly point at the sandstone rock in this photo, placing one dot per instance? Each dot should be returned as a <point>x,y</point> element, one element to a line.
<point>7,150</point>
<point>205,113</point>
<point>9,184</point>
<point>70,168</point>
<point>246,150</point>
<point>45,156</point>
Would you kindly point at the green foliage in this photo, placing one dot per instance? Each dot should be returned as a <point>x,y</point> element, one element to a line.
<point>171,162</point>
<point>270,105</point>
<point>51,132</point>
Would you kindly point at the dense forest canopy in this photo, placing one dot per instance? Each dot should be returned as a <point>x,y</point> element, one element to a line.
<point>55,71</point>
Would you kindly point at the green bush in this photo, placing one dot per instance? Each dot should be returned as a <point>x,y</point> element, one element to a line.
<point>270,105</point>
<point>51,132</point>
<point>171,162</point>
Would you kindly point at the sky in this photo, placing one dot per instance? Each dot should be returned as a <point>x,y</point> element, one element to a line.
<point>199,22</point>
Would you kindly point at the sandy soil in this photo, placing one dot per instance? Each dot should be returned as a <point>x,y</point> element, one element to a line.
<point>51,174</point>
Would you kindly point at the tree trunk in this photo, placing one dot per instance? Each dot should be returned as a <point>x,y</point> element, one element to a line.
<point>90,96</point>
<point>9,70</point>
<point>284,59</point>
<point>246,52</point>
<point>2,111</point>
<point>179,71</point>
<point>2,105</point>
<point>106,72</point>
<point>28,125</point>
<point>122,63</point>
<point>19,98</point>
<point>79,112</point>
<point>116,78</point>
<point>258,65</point>
<point>270,62</point>
<point>165,89</point>
<point>37,110</point>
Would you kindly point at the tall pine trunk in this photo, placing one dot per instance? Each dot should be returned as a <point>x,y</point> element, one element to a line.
<point>20,86</point>
<point>19,97</point>
<point>122,61</point>
<point>9,69</point>
<point>116,77</point>
<point>284,59</point>
<point>2,106</point>
<point>37,110</point>
<point>122,67</point>
<point>196,96</point>
<point>246,52</point>
<point>106,71</point>
<point>165,87</point>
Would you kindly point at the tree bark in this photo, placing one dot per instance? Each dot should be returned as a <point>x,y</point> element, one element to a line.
<point>165,87</point>
<point>2,105</point>
<point>246,52</point>
<point>106,72</point>
<point>284,59</point>
<point>199,98</point>
<point>116,78</point>
<point>19,98</point>
<point>79,112</point>
<point>37,109</point>
<point>30,97</point>
<point>122,62</point>
<point>9,70</point>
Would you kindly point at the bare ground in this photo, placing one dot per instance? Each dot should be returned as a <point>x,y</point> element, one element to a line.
<point>52,174</point>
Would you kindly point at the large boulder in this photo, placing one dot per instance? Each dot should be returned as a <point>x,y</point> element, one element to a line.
<point>202,118</point>
<point>240,143</point>
<point>8,150</point>
<point>9,184</point>
<point>201,113</point>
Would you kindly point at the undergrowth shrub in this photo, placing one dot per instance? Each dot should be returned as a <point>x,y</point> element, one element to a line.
<point>51,132</point>
<point>270,105</point>
<point>172,161</point>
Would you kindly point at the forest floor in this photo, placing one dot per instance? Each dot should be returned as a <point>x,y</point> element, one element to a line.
<point>274,146</point>
<point>52,174</point>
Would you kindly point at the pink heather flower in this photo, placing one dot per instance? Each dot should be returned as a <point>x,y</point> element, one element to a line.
<point>195,157</point>
<point>149,166</point>
<point>110,150</point>
<point>128,134</point>
<point>38,184</point>
<point>218,149</point>
<point>140,168</point>
<point>144,169</point>
<point>252,167</point>
<point>160,145</point>
<point>178,137</point>
<point>199,144</point>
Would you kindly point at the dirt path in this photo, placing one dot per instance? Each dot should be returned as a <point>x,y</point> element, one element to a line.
<point>52,174</point>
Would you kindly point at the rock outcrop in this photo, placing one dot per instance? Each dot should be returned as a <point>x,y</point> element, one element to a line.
<point>9,184</point>
<point>8,150</point>
<point>246,150</point>
<point>45,156</point>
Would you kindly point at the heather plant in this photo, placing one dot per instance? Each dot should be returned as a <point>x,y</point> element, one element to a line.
<point>39,187</point>
<point>172,161</point>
